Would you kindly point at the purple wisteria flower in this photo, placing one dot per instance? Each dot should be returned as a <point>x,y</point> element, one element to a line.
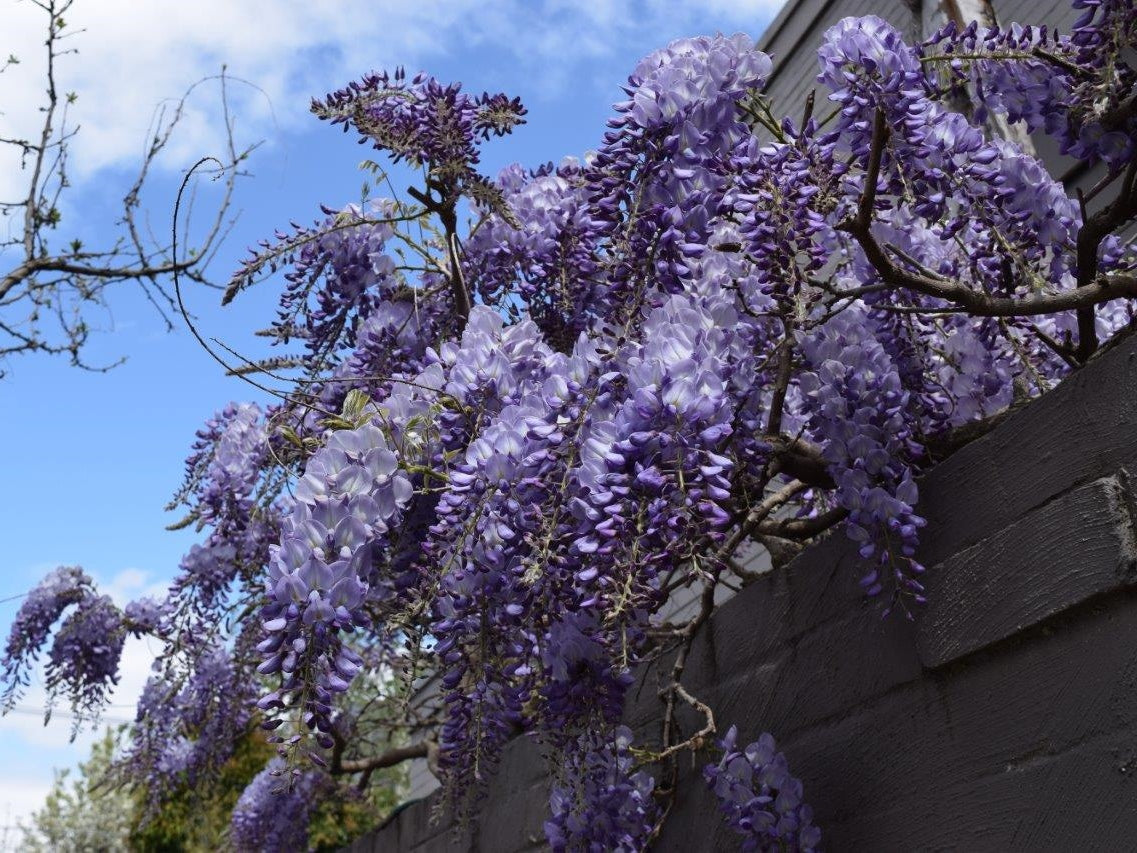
<point>272,814</point>
<point>351,493</point>
<point>62,588</point>
<point>510,444</point>
<point>84,655</point>
<point>1071,86</point>
<point>860,406</point>
<point>189,723</point>
<point>599,803</point>
<point>759,798</point>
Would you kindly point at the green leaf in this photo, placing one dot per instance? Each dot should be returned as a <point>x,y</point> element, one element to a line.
<point>183,523</point>
<point>353,405</point>
<point>291,436</point>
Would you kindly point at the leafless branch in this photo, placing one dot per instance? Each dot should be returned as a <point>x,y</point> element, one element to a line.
<point>48,285</point>
<point>390,758</point>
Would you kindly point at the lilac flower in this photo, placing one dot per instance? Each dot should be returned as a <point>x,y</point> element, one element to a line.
<point>660,449</point>
<point>207,570</point>
<point>421,120</point>
<point>937,154</point>
<point>427,124</point>
<point>391,346</point>
<point>479,617</point>
<point>548,257</point>
<point>223,474</point>
<point>225,465</point>
<point>693,75</point>
<point>859,49</point>
<point>342,273</point>
<point>788,196</point>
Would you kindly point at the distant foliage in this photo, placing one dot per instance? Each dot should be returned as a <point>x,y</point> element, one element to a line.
<point>86,813</point>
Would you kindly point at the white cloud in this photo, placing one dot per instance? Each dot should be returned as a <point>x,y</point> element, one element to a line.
<point>131,584</point>
<point>131,56</point>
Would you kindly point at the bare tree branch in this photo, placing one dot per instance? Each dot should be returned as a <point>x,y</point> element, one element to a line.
<point>48,285</point>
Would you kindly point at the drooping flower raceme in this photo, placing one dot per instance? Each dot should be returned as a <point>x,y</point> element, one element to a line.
<point>600,804</point>
<point>1072,86</point>
<point>188,723</point>
<point>861,408</point>
<point>351,493</point>
<point>759,798</point>
<point>64,587</point>
<point>84,654</point>
<point>272,814</point>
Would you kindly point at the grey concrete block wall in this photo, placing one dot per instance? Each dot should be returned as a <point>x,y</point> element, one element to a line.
<point>1004,717</point>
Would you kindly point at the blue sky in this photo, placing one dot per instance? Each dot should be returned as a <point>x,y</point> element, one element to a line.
<point>90,459</point>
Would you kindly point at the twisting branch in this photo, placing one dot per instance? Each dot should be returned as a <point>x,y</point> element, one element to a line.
<point>759,514</point>
<point>802,528</point>
<point>867,203</point>
<point>390,758</point>
<point>1119,212</point>
<point>800,459</point>
<point>782,382</point>
<point>696,740</point>
<point>686,634</point>
<point>444,208</point>
<point>1093,288</point>
<point>1102,289</point>
<point>46,285</point>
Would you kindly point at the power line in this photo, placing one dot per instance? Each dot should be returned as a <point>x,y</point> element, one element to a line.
<point>65,715</point>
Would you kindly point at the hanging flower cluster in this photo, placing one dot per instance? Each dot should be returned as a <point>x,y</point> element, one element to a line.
<point>189,722</point>
<point>761,801</point>
<point>273,812</point>
<point>601,803</point>
<point>85,649</point>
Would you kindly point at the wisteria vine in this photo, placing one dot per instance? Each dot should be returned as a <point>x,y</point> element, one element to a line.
<point>504,447</point>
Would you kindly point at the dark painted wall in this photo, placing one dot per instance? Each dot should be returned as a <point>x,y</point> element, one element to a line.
<point>1003,718</point>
